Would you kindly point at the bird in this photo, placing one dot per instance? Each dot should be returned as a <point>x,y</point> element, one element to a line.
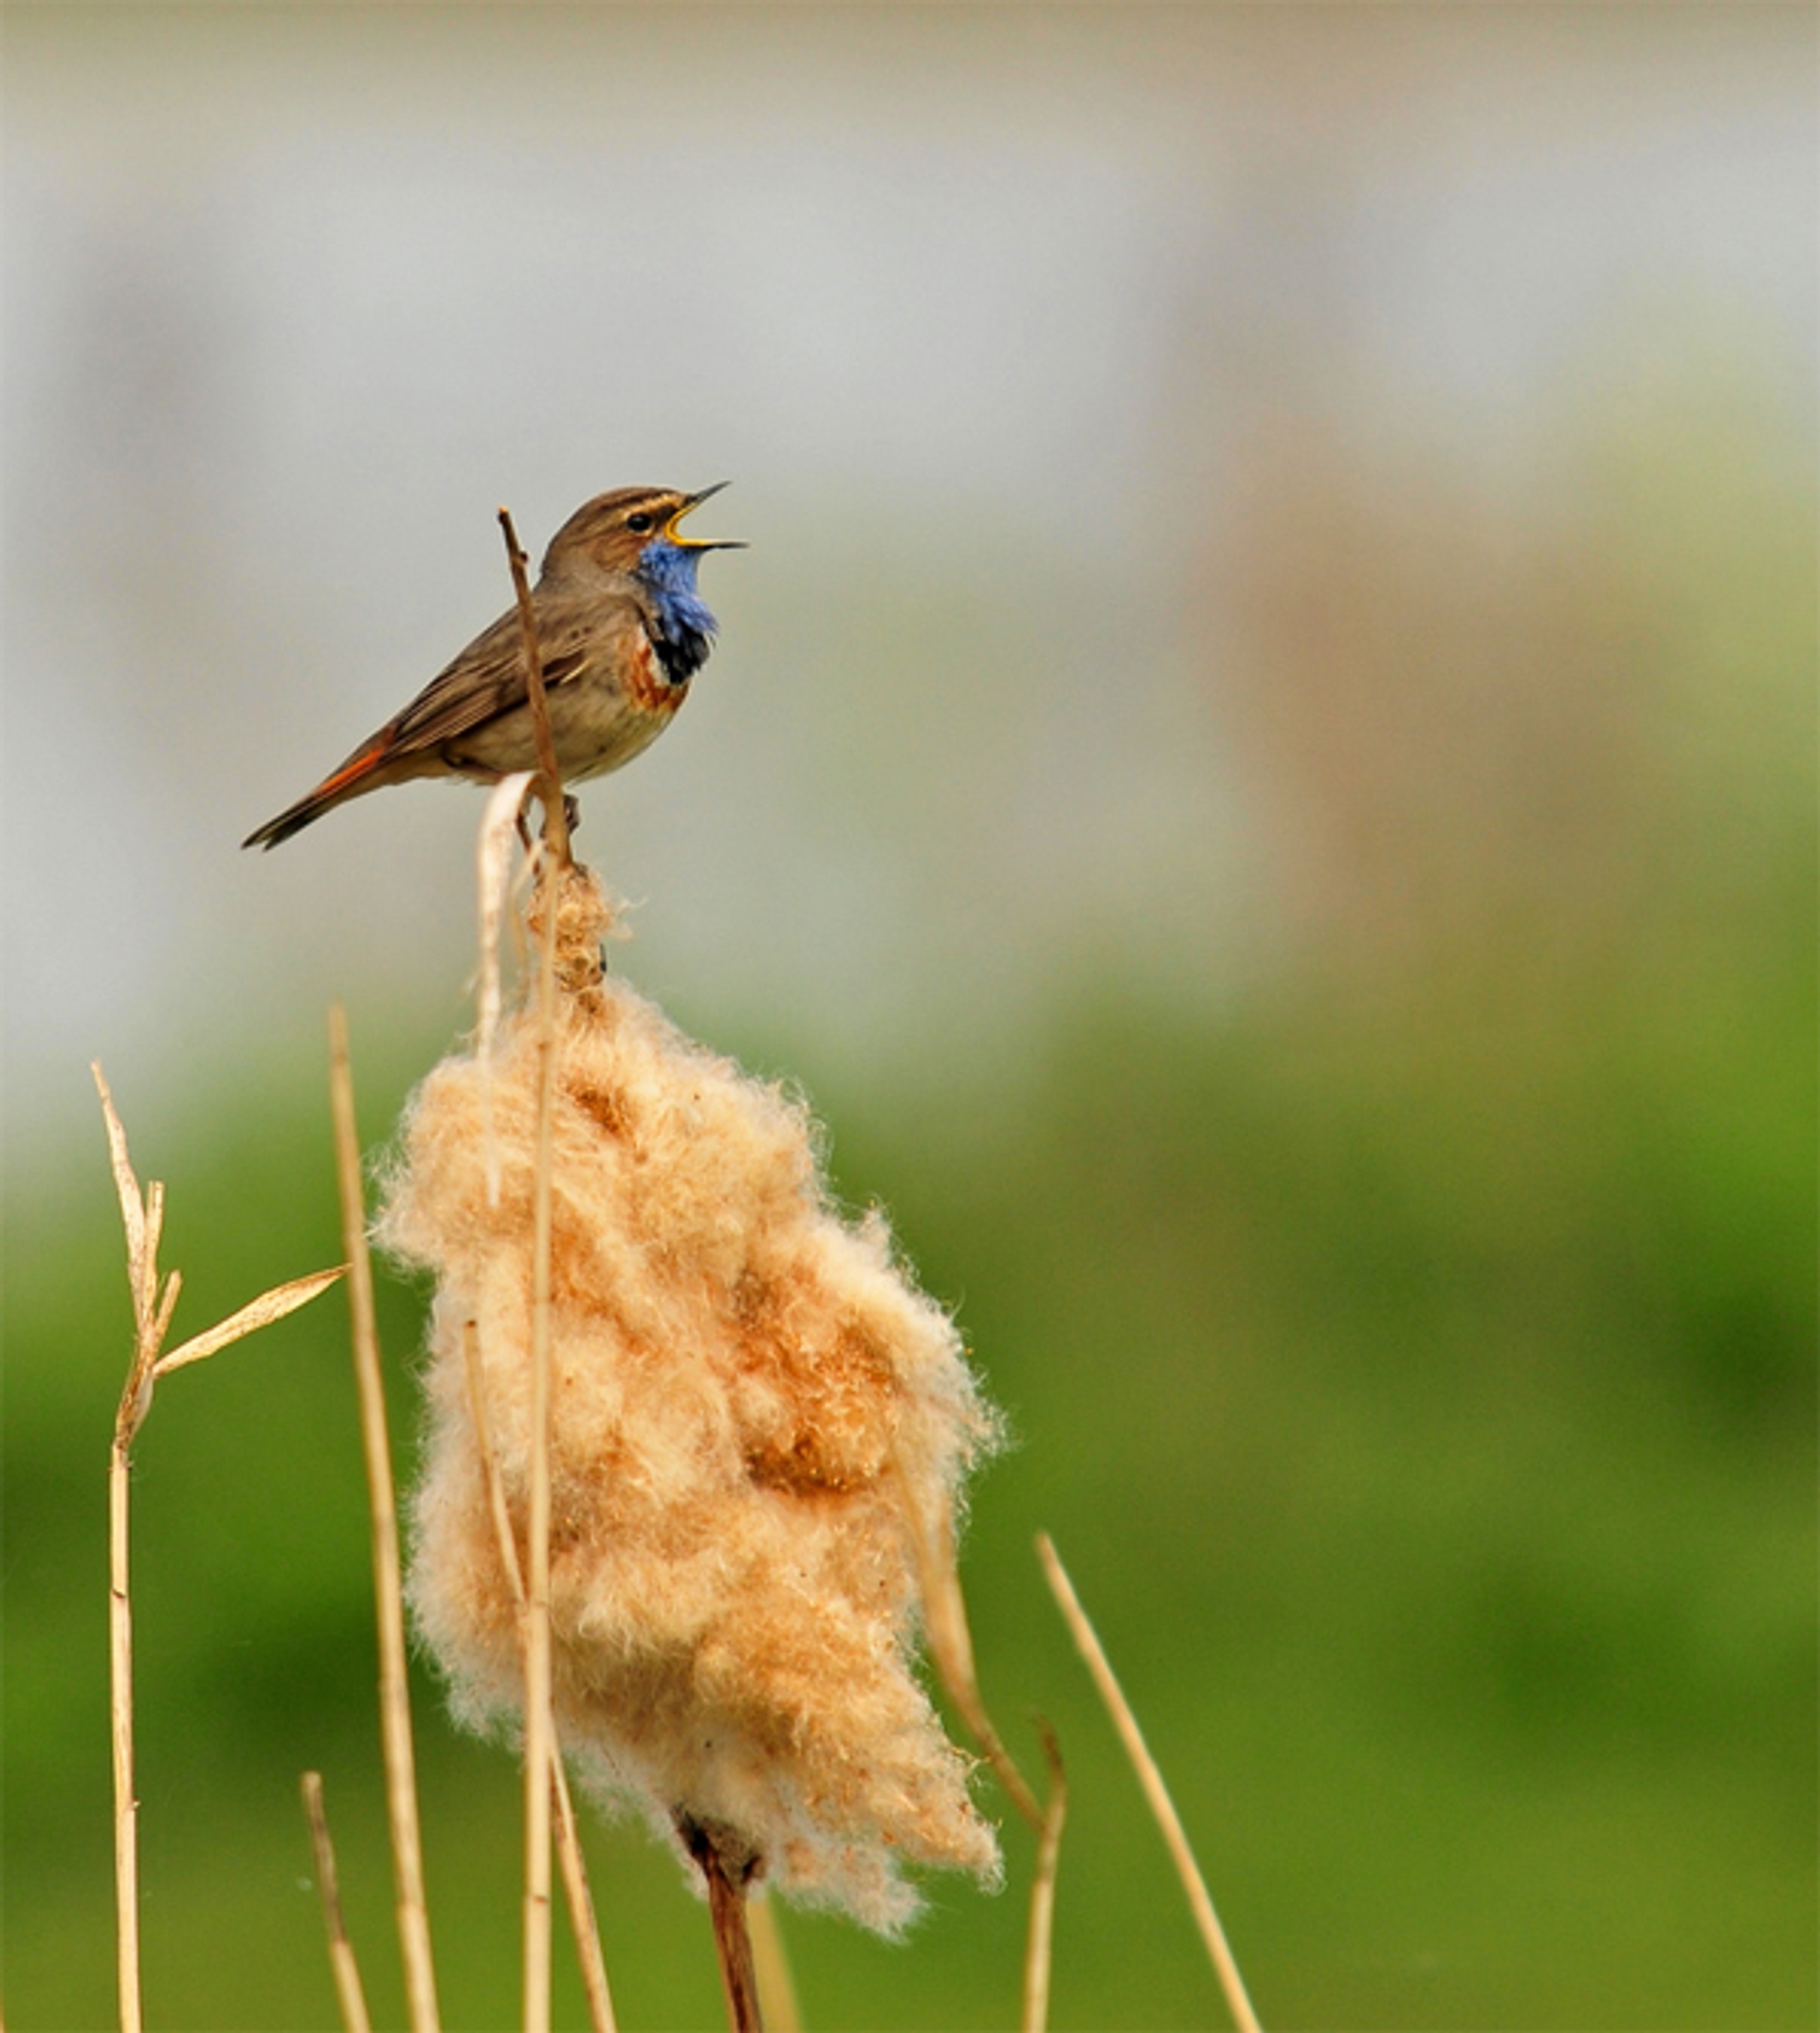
<point>621,628</point>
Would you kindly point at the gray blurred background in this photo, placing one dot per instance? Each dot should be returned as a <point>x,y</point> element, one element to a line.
<point>1259,769</point>
<point>1028,338</point>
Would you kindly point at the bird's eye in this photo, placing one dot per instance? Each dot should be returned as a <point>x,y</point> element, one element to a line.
<point>640,522</point>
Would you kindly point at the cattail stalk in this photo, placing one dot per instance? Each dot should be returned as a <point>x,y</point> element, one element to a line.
<point>539,1735</point>
<point>569,1852</point>
<point>727,1868</point>
<point>556,813</point>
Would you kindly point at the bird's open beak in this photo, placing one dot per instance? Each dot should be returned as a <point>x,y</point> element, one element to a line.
<point>700,543</point>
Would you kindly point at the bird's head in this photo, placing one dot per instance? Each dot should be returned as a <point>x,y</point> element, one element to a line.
<point>615,532</point>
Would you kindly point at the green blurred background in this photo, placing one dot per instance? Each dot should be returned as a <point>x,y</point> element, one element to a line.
<point>1261,775</point>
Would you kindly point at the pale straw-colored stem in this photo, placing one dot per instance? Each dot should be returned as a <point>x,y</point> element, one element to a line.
<point>136,1400</point>
<point>581,1901</point>
<point>538,1734</point>
<point>555,817</point>
<point>395,1690</point>
<point>1151,1779</point>
<point>568,1851</point>
<point>777,1988</point>
<point>126,1806</point>
<point>142,1215</point>
<point>352,1999</point>
<point>1037,1948</point>
<point>141,1218</point>
<point>951,1642</point>
<point>951,1645</point>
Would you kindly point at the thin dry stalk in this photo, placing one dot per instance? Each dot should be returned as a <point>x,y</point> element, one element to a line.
<point>395,1692</point>
<point>539,1743</point>
<point>727,1869</point>
<point>568,1851</point>
<point>539,1734</point>
<point>951,1645</point>
<point>1037,1950</point>
<point>142,1215</point>
<point>581,1901</point>
<point>126,1806</point>
<point>352,1997</point>
<point>777,1988</point>
<point>555,816</point>
<point>1150,1778</point>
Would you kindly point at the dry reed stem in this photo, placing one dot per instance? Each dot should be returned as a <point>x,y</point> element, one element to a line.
<point>540,1744</point>
<point>126,1806</point>
<point>951,1645</point>
<point>346,1971</point>
<point>555,816</point>
<point>395,1692</point>
<point>777,1988</point>
<point>1037,1950</point>
<point>582,1902</point>
<point>568,1851</point>
<point>1212,1933</point>
<point>539,1729</point>
<point>142,1216</point>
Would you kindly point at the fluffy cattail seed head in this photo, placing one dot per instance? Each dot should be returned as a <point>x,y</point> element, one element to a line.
<point>752,1408</point>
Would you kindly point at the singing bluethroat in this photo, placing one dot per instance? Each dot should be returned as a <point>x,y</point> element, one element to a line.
<point>621,630</point>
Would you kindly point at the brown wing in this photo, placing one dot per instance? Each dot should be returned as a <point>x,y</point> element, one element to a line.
<point>487,679</point>
<point>484,683</point>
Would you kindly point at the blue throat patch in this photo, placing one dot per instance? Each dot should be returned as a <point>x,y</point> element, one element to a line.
<point>682,631</point>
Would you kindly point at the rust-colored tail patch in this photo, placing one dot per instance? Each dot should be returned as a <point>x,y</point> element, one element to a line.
<point>348,781</point>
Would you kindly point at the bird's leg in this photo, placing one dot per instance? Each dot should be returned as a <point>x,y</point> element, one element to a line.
<point>571,811</point>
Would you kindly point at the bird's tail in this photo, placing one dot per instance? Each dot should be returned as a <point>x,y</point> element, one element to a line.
<point>361,771</point>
